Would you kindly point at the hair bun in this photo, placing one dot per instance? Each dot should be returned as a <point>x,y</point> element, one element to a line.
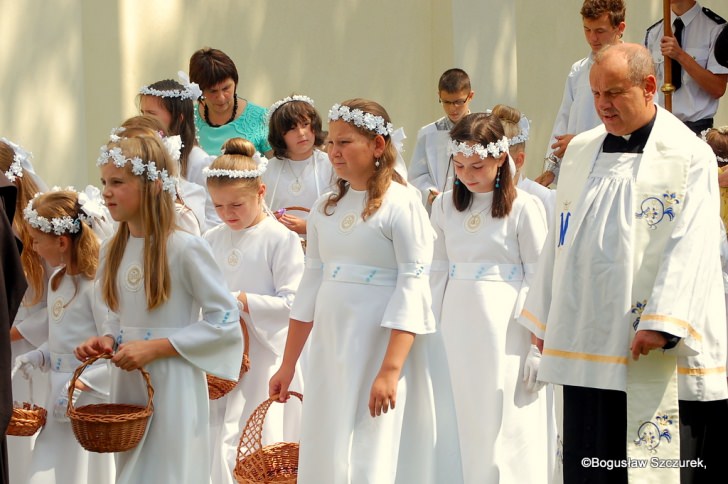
<point>238,146</point>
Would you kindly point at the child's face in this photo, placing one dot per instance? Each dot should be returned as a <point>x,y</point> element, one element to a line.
<point>456,104</point>
<point>154,107</point>
<point>299,141</point>
<point>238,207</point>
<point>122,193</point>
<point>351,153</point>
<point>48,246</point>
<point>477,175</point>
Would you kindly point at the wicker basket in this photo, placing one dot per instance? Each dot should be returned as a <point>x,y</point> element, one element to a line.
<point>108,427</point>
<point>26,420</point>
<point>219,387</point>
<point>276,463</point>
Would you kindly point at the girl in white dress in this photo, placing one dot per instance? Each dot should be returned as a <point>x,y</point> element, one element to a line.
<point>517,127</point>
<point>489,236</point>
<point>189,204</point>
<point>172,104</point>
<point>62,235</point>
<point>378,404</point>
<point>299,173</point>
<point>30,327</point>
<point>171,314</point>
<point>262,263</point>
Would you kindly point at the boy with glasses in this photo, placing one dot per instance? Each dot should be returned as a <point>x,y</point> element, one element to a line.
<point>430,169</point>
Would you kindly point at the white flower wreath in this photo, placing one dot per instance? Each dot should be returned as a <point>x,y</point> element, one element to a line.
<point>90,201</point>
<point>361,119</point>
<point>494,149</point>
<point>20,157</point>
<point>281,102</point>
<point>191,89</point>
<point>260,161</point>
<point>525,126</point>
<point>138,167</point>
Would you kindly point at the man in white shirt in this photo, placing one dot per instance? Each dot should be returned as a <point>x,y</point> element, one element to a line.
<point>699,79</point>
<point>603,25</point>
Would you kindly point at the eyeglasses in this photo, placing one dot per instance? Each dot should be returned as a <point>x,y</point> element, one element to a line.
<point>458,103</point>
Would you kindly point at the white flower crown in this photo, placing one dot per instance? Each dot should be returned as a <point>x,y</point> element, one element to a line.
<point>494,149</point>
<point>704,137</point>
<point>20,157</point>
<point>90,201</point>
<point>260,161</point>
<point>525,126</point>
<point>138,167</point>
<point>281,102</point>
<point>191,89</point>
<point>360,118</point>
<point>173,144</point>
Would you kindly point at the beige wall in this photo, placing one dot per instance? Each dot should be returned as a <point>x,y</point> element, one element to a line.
<point>70,69</point>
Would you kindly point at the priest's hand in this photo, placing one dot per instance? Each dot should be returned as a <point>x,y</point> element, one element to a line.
<point>530,370</point>
<point>645,341</point>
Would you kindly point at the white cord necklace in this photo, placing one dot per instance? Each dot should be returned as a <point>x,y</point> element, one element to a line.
<point>296,185</point>
<point>473,223</point>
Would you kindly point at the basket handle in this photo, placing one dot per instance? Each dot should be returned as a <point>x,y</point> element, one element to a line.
<point>297,208</point>
<point>252,434</point>
<point>92,360</point>
<point>246,345</point>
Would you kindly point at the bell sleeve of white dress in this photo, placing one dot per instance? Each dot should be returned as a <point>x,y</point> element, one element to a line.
<point>440,261</point>
<point>410,306</point>
<point>98,376</point>
<point>34,323</point>
<point>305,303</point>
<point>537,303</point>
<point>214,343</point>
<point>686,296</point>
<point>531,232</point>
<point>268,314</point>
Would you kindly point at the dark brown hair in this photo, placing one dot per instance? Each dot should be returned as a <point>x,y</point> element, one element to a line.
<point>182,112</point>
<point>482,129</point>
<point>285,118</point>
<point>453,81</point>
<point>593,9</point>
<point>209,67</point>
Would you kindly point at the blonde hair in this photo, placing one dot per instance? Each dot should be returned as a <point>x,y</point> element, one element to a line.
<point>31,261</point>
<point>84,253</point>
<point>717,138</point>
<point>158,221</point>
<point>238,156</point>
<point>383,175</point>
<point>510,118</point>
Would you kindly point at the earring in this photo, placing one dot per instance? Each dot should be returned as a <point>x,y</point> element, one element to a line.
<point>497,178</point>
<point>376,163</point>
<point>457,181</point>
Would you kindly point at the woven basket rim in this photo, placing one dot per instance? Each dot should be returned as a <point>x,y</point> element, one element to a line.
<point>74,414</point>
